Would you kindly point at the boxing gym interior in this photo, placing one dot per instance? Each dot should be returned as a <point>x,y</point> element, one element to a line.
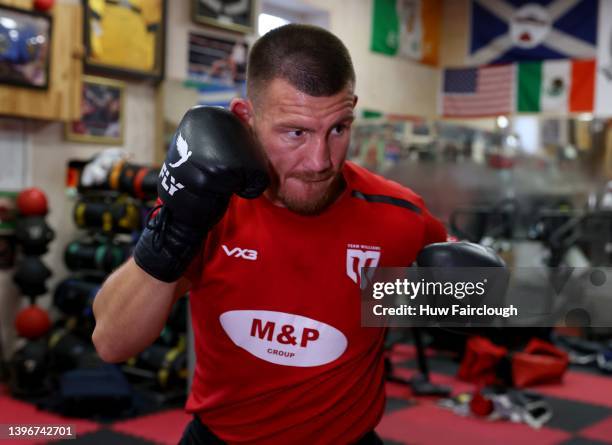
<point>497,113</point>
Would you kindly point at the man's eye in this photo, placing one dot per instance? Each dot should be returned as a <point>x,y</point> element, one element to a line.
<point>339,129</point>
<point>296,133</point>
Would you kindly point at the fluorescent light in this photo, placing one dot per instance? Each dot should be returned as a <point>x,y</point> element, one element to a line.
<point>502,121</point>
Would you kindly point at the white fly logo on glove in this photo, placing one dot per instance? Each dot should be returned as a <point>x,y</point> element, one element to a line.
<point>183,149</point>
<point>171,186</point>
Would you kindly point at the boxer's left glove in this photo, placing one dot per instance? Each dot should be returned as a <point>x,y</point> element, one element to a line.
<point>441,260</point>
<point>459,254</point>
<point>212,156</point>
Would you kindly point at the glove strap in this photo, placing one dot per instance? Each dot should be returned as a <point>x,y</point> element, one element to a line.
<point>166,247</point>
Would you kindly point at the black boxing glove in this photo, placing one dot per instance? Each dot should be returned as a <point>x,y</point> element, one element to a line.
<point>460,254</point>
<point>451,263</point>
<point>213,155</point>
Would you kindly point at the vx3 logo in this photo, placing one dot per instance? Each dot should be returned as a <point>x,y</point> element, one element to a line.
<point>237,252</point>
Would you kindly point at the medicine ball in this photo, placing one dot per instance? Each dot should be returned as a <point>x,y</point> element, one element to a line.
<point>32,322</point>
<point>32,202</point>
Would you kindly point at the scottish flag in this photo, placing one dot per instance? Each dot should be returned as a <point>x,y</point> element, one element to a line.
<point>511,30</point>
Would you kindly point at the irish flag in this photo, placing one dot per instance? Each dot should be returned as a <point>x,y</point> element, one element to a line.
<point>555,85</point>
<point>409,29</point>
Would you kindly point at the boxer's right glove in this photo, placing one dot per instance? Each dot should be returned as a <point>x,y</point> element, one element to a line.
<point>212,156</point>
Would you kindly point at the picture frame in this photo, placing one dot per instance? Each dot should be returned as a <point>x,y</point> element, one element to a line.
<point>217,67</point>
<point>25,47</point>
<point>103,115</point>
<point>232,15</point>
<point>124,41</point>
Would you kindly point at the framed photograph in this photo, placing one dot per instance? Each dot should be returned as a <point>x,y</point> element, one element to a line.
<point>234,15</point>
<point>125,39</point>
<point>25,47</point>
<point>217,68</point>
<point>8,211</point>
<point>102,113</point>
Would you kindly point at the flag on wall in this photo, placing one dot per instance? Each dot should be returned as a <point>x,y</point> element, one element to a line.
<point>408,28</point>
<point>559,86</point>
<point>475,92</point>
<point>603,98</point>
<point>516,30</point>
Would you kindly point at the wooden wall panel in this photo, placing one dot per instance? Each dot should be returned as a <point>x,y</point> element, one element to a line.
<point>23,4</point>
<point>62,100</point>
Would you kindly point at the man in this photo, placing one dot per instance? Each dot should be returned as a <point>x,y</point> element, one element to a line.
<point>274,278</point>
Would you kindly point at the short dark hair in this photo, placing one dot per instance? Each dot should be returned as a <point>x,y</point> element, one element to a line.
<point>311,59</point>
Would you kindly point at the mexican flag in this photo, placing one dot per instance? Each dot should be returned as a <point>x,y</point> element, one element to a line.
<point>555,85</point>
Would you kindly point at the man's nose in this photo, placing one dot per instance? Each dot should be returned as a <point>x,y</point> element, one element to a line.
<point>319,158</point>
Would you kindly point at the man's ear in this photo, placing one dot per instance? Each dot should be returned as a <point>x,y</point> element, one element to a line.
<point>355,100</point>
<point>243,109</point>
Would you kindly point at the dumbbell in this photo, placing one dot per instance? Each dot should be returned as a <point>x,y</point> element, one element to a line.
<point>33,234</point>
<point>176,325</point>
<point>91,255</point>
<point>135,180</point>
<point>31,276</point>
<point>28,369</point>
<point>69,351</point>
<point>108,217</point>
<point>74,296</point>
<point>165,365</point>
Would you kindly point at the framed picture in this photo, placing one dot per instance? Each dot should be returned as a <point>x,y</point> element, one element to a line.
<point>102,113</point>
<point>25,47</point>
<point>217,68</point>
<point>234,15</point>
<point>125,39</point>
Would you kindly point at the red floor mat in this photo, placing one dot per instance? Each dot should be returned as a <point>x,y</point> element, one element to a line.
<point>429,424</point>
<point>16,412</point>
<point>582,387</point>
<point>600,431</point>
<point>165,427</point>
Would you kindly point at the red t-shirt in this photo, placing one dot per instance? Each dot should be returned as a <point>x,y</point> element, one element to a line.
<point>281,355</point>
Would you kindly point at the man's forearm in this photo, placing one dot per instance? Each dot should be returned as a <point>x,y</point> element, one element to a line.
<point>130,310</point>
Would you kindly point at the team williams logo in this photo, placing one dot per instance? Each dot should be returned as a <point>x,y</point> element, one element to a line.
<point>359,256</point>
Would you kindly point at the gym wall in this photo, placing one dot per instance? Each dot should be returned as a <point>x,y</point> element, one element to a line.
<point>47,156</point>
<point>392,84</point>
<point>383,83</point>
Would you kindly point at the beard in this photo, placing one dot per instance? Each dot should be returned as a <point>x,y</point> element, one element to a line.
<point>305,193</point>
<point>316,192</point>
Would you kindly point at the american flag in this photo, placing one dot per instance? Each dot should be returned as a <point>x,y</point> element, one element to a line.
<point>472,92</point>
